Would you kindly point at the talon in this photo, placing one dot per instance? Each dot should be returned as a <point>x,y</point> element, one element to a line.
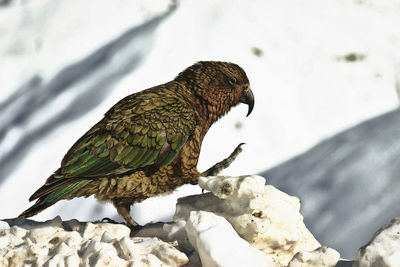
<point>108,220</point>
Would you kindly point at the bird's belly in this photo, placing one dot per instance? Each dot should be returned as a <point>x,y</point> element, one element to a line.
<point>136,186</point>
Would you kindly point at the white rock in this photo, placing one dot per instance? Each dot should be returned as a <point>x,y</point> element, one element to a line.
<point>61,260</point>
<point>72,260</point>
<point>116,230</point>
<point>321,257</point>
<point>243,222</point>
<point>262,215</point>
<point>126,248</point>
<point>106,256</point>
<point>219,245</point>
<point>63,249</point>
<point>10,236</point>
<point>34,249</point>
<point>46,235</point>
<point>384,248</point>
<point>18,232</point>
<point>49,244</point>
<point>4,225</point>
<point>89,250</point>
<point>164,252</point>
<point>106,237</point>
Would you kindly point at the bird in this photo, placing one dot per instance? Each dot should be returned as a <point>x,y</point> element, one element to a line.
<point>149,142</point>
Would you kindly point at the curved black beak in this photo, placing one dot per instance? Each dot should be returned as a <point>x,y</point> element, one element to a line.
<point>247,98</point>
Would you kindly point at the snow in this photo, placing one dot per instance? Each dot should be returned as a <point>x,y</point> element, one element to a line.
<point>305,90</point>
<point>42,36</point>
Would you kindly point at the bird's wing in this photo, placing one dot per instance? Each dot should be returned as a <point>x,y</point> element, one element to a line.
<point>137,132</point>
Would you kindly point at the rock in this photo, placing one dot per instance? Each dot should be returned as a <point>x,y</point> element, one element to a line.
<point>93,231</point>
<point>218,244</point>
<point>262,215</point>
<point>384,248</point>
<point>322,257</point>
<point>88,244</point>
<point>241,222</point>
<point>4,225</point>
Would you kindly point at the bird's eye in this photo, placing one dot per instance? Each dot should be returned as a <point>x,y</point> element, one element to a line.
<point>232,80</point>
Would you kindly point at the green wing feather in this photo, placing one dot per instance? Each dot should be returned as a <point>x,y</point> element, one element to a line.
<point>147,129</point>
<point>144,130</point>
<point>137,133</point>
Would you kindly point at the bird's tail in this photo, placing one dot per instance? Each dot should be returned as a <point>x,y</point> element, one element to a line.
<point>35,209</point>
<point>51,192</point>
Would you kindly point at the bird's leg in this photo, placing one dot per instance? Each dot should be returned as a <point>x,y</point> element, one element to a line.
<point>124,210</point>
<point>220,166</point>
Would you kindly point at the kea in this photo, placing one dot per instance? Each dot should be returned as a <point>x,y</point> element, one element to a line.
<point>149,142</point>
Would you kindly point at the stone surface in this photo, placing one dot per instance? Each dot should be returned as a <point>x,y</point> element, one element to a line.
<point>322,257</point>
<point>83,244</point>
<point>262,215</point>
<point>384,248</point>
<point>218,244</point>
<point>241,222</point>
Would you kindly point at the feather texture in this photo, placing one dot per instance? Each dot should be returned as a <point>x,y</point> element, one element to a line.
<point>148,143</point>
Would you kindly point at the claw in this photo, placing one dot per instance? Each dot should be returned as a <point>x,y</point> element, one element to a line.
<point>109,220</point>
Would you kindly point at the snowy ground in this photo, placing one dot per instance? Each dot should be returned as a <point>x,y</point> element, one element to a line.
<point>297,54</point>
<point>240,222</point>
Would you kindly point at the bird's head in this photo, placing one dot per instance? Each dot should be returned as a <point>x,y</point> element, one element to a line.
<point>221,85</point>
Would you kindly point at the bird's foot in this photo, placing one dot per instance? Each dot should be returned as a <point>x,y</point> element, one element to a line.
<point>109,220</point>
<point>220,166</point>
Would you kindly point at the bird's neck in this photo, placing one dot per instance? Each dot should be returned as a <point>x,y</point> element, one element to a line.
<point>207,112</point>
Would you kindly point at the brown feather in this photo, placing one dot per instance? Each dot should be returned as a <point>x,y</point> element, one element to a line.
<point>133,134</point>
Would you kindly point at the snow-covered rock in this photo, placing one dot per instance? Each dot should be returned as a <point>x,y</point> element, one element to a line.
<point>73,244</point>
<point>241,222</point>
<point>262,215</point>
<point>219,245</point>
<point>384,248</point>
<point>322,257</point>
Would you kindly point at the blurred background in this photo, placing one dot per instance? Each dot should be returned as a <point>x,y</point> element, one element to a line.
<point>325,75</point>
